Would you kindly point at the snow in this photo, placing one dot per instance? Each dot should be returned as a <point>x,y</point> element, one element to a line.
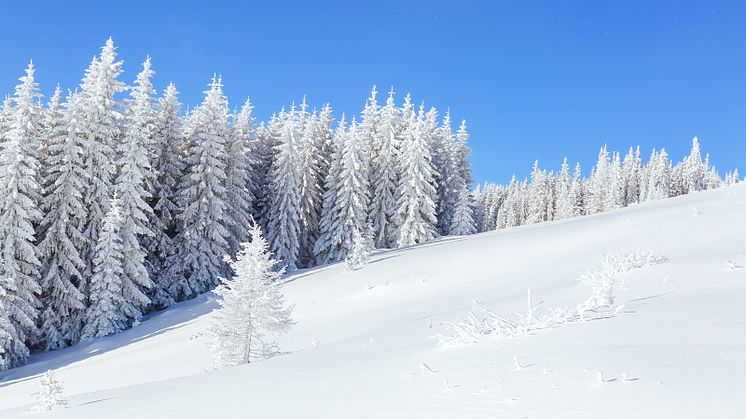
<point>364,345</point>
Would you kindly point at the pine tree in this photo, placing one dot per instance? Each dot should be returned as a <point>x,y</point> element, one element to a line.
<point>659,176</point>
<point>694,169</point>
<point>168,167</point>
<point>416,217</point>
<point>239,176</point>
<point>311,188</point>
<point>251,306</point>
<point>383,179</point>
<point>358,255</point>
<point>19,211</point>
<point>346,210</point>
<point>201,243</point>
<point>537,197</point>
<point>285,210</point>
<point>614,185</point>
<point>598,183</point>
<point>62,240</point>
<point>107,312</point>
<point>564,193</point>
<point>130,186</point>
<point>99,117</point>
<point>462,222</point>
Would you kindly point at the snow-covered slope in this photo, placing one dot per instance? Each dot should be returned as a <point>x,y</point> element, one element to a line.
<point>364,348</point>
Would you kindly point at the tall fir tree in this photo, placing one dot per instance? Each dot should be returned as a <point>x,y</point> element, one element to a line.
<point>168,166</point>
<point>130,186</point>
<point>19,212</point>
<point>107,312</point>
<point>61,236</point>
<point>100,116</point>
<point>345,214</point>
<point>384,179</point>
<point>239,176</point>
<point>416,212</point>
<point>201,243</point>
<point>285,211</point>
<point>462,222</point>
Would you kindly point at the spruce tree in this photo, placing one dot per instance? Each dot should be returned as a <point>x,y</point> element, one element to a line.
<point>201,243</point>
<point>19,211</point>
<point>285,211</point>
<point>384,175</point>
<point>462,222</point>
<point>100,115</point>
<point>416,212</point>
<point>130,186</point>
<point>107,312</point>
<point>168,167</point>
<point>239,177</point>
<point>62,239</point>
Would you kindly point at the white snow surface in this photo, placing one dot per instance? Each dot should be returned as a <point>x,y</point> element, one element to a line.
<point>364,344</point>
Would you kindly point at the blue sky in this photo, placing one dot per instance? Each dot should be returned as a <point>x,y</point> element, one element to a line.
<point>534,79</point>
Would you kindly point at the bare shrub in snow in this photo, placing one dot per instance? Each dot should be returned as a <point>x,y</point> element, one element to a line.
<point>601,281</point>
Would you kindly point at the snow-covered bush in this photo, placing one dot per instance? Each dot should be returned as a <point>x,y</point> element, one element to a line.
<point>358,256</point>
<point>50,392</point>
<point>602,280</point>
<point>251,306</point>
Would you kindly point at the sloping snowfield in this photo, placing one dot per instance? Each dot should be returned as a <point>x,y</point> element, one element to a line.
<point>364,346</point>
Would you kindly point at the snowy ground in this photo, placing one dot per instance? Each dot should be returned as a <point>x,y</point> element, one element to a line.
<point>676,349</point>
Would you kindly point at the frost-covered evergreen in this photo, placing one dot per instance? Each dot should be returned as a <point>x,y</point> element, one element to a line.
<point>565,197</point>
<point>201,243</point>
<point>107,312</point>
<point>239,176</point>
<point>19,211</point>
<point>285,210</point>
<point>416,212</point>
<point>345,209</point>
<point>62,240</point>
<point>311,186</point>
<point>168,166</point>
<point>384,175</point>
<point>130,187</point>
<point>462,222</point>
<point>359,254</point>
<point>100,115</point>
<point>251,306</point>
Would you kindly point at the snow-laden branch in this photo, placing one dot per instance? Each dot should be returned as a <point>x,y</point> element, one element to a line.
<point>601,281</point>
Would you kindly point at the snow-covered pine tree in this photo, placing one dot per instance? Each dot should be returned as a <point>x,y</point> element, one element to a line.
<point>659,176</point>
<point>61,238</point>
<point>358,255</point>
<point>105,315</point>
<point>6,328</point>
<point>264,151</point>
<point>537,196</point>
<point>130,186</point>
<point>285,211</point>
<point>19,211</point>
<point>168,167</point>
<point>614,184</point>
<point>462,222</point>
<point>384,175</point>
<point>462,152</point>
<point>564,193</point>
<point>251,306</point>
<point>599,181</point>
<point>329,238</point>
<point>100,114</point>
<point>346,213</point>
<point>578,191</point>
<point>631,170</point>
<point>311,188</point>
<point>416,212</point>
<point>240,183</point>
<point>694,170</point>
<point>201,242</point>
<point>369,131</point>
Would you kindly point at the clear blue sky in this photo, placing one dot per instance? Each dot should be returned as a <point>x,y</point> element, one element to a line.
<point>534,79</point>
